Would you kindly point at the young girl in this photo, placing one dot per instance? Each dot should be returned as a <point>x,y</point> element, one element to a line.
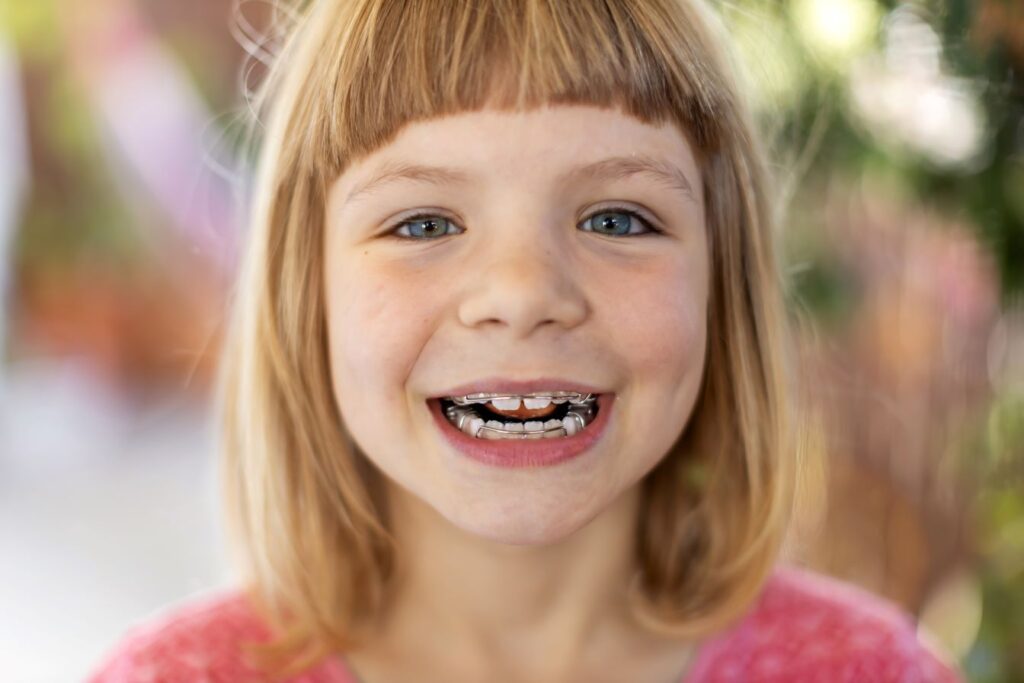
<point>505,399</point>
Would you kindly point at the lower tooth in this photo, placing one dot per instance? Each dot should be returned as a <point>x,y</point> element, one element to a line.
<point>553,429</point>
<point>571,425</point>
<point>472,425</point>
<point>488,434</point>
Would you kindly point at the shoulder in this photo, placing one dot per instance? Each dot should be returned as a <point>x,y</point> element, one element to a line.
<point>202,639</point>
<point>807,626</point>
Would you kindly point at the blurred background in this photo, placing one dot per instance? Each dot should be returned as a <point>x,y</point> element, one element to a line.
<point>897,135</point>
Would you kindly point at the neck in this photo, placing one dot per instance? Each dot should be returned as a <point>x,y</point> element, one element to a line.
<point>494,602</point>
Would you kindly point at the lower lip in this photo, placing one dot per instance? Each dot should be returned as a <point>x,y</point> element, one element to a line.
<point>525,452</point>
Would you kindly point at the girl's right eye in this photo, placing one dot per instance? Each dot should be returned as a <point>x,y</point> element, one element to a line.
<point>424,226</point>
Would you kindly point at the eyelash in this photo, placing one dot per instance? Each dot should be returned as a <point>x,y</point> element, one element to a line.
<point>648,225</point>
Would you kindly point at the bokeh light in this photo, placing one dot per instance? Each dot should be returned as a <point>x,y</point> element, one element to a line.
<point>836,29</point>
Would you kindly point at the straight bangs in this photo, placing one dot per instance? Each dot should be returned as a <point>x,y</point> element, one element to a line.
<point>305,510</point>
<point>383,65</point>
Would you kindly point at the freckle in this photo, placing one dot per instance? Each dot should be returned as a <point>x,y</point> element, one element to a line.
<point>366,252</point>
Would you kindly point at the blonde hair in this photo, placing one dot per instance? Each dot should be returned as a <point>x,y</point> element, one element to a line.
<point>304,507</point>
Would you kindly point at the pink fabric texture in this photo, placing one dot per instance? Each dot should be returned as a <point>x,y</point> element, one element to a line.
<point>803,627</point>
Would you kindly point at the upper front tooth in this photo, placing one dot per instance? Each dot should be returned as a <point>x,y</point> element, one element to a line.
<point>506,403</point>
<point>536,403</point>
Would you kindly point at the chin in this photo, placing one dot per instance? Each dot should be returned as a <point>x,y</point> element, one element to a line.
<point>518,524</point>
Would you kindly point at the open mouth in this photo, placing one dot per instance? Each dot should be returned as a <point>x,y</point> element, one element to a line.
<point>542,415</point>
<point>526,430</point>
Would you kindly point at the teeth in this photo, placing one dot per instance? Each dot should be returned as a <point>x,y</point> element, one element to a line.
<point>473,425</point>
<point>572,423</point>
<point>488,433</point>
<point>537,403</point>
<point>506,403</point>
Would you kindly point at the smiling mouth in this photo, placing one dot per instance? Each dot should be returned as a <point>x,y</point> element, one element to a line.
<point>542,415</point>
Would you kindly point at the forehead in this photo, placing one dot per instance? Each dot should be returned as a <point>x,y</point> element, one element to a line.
<point>561,142</point>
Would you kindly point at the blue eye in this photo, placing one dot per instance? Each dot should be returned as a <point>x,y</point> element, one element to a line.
<point>618,223</point>
<point>424,226</point>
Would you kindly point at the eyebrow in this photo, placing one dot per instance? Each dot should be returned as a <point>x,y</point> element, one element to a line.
<point>611,168</point>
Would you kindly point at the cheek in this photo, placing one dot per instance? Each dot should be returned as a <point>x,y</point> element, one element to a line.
<point>660,318</point>
<point>377,321</point>
<point>660,332</point>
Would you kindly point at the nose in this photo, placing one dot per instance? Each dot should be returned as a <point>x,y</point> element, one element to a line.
<point>524,284</point>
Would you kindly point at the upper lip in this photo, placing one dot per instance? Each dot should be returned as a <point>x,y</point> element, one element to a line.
<point>499,385</point>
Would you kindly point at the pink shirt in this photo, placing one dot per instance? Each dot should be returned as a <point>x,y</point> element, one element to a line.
<point>803,627</point>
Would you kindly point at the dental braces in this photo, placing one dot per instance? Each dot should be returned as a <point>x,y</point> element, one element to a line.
<point>573,397</point>
<point>460,416</point>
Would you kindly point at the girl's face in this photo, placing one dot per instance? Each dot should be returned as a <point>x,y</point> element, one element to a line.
<point>565,244</point>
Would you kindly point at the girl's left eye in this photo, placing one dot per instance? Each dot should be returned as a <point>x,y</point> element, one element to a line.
<point>618,222</point>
